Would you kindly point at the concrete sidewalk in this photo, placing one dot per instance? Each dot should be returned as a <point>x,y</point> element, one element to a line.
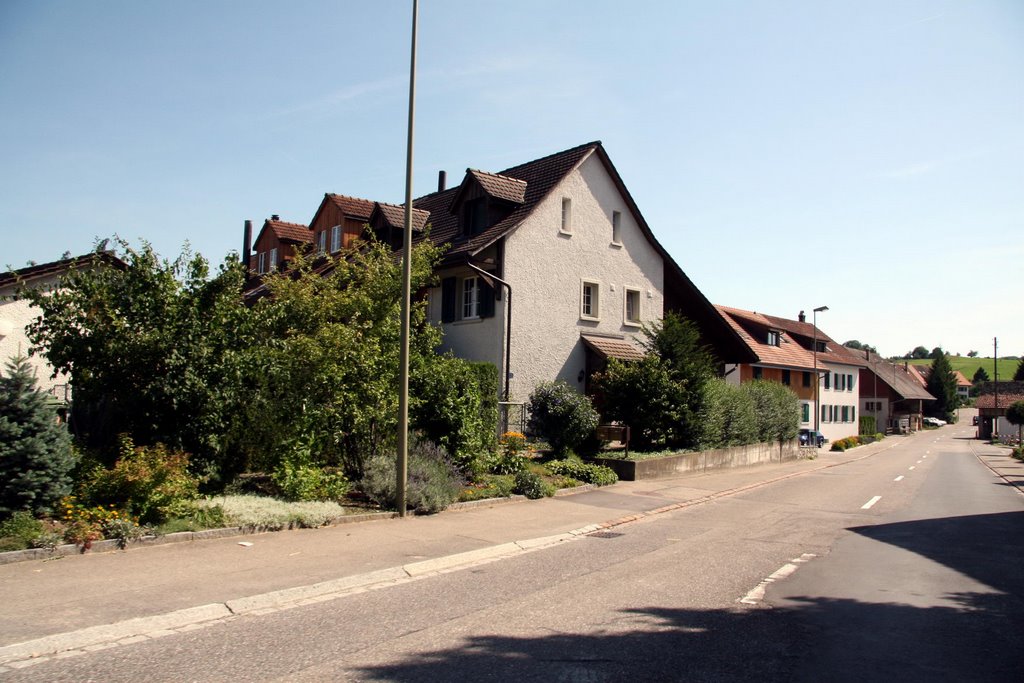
<point>93,601</point>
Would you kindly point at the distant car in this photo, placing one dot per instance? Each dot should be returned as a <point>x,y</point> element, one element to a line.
<point>934,421</point>
<point>812,438</point>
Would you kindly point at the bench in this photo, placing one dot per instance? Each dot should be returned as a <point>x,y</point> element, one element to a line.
<point>618,433</point>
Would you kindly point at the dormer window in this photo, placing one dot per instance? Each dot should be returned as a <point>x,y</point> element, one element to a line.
<point>321,242</point>
<point>774,338</point>
<point>820,347</point>
<point>474,216</point>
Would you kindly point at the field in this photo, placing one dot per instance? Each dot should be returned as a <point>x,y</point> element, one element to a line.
<point>968,366</point>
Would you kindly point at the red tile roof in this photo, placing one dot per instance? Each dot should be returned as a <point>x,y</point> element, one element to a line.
<point>59,267</point>
<point>1005,400</point>
<point>352,206</point>
<point>288,232</point>
<point>795,343</point>
<point>393,216</point>
<point>609,347</point>
<point>500,186</point>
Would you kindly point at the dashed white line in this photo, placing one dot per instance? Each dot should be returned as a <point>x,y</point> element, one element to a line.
<point>919,462</point>
<point>911,467</point>
<point>756,594</point>
<point>867,505</point>
<point>899,478</point>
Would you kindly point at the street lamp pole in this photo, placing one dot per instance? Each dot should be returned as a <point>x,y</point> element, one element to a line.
<point>817,379</point>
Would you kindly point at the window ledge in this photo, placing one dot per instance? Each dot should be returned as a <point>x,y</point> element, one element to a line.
<point>630,323</point>
<point>617,245</point>
<point>564,233</point>
<point>589,319</point>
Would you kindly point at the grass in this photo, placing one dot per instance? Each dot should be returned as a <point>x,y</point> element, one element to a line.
<point>969,366</point>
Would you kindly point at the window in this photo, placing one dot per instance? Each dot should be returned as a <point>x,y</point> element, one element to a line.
<point>616,227</point>
<point>470,298</point>
<point>824,414</point>
<point>807,379</point>
<point>827,375</point>
<point>773,338</point>
<point>273,259</point>
<point>853,413</point>
<point>261,262</point>
<point>846,413</point>
<point>805,412</point>
<point>590,300</point>
<point>786,376</point>
<point>336,238</point>
<point>474,216</point>
<point>566,216</point>
<point>839,381</point>
<point>849,382</point>
<point>820,346</point>
<point>632,312</point>
<point>321,241</point>
<point>758,372</point>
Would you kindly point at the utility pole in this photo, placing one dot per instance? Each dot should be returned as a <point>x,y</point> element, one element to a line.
<point>995,359</point>
<point>402,466</point>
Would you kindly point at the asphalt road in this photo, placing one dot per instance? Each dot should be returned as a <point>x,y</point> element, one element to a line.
<point>838,574</point>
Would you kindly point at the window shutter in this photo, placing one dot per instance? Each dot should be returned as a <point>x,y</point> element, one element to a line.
<point>448,291</point>
<point>486,299</point>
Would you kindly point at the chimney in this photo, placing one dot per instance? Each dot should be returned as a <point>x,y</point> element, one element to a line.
<point>802,318</point>
<point>246,243</point>
<point>442,181</point>
<point>275,217</point>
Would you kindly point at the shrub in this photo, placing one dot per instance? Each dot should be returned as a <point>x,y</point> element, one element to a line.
<point>728,416</point>
<point>506,463</point>
<point>513,443</point>
<point>562,415</point>
<point>589,473</point>
<point>433,483</point>
<point>149,482</point>
<point>21,530</point>
<point>776,410</point>
<point>258,512</point>
<point>868,424</point>
<point>36,458</point>
<point>490,486</point>
<point>298,480</point>
<point>532,485</point>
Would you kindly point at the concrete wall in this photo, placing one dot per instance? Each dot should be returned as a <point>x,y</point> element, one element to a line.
<point>15,314</point>
<point>721,458</point>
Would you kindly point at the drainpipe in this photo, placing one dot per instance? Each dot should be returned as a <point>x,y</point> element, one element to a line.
<point>490,279</point>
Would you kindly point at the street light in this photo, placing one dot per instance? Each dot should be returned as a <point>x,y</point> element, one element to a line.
<point>817,379</point>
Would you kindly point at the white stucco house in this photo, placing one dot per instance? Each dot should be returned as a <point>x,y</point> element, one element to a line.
<point>584,269</point>
<point>16,313</point>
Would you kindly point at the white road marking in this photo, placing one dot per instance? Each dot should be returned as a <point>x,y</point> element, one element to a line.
<point>756,594</point>
<point>867,505</point>
<point>899,478</point>
<point>918,462</point>
<point>911,467</point>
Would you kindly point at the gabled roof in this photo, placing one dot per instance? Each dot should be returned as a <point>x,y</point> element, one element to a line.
<point>41,270</point>
<point>287,232</point>
<point>795,349</point>
<point>393,216</point>
<point>961,379</point>
<point>1005,400</point>
<point>512,190</point>
<point>900,378</point>
<point>352,207</point>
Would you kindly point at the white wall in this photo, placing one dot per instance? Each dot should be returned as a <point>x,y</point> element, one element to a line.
<point>477,340</point>
<point>546,267</point>
<point>15,314</point>
<point>847,397</point>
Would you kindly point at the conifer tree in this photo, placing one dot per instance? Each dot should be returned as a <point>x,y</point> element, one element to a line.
<point>1019,375</point>
<point>35,449</point>
<point>942,385</point>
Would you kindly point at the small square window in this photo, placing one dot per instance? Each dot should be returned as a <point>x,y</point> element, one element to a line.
<point>631,316</point>
<point>590,300</point>
<point>616,227</point>
<point>566,215</point>
<point>758,372</point>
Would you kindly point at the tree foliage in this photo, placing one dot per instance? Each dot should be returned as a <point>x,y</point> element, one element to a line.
<point>980,375</point>
<point>35,450</point>
<point>152,349</point>
<point>1015,415</point>
<point>1018,376</point>
<point>777,410</point>
<point>561,415</point>
<point>942,385</point>
<point>854,344</point>
<point>919,352</point>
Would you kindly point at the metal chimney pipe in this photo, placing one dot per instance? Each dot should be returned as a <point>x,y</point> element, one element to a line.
<point>442,181</point>
<point>247,243</point>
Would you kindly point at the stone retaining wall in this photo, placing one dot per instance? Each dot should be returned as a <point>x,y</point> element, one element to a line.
<point>721,458</point>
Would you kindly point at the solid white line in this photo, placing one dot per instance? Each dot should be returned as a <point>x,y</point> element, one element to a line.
<point>899,478</point>
<point>867,505</point>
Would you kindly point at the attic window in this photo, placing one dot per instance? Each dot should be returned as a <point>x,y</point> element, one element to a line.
<point>474,216</point>
<point>820,347</point>
<point>774,338</point>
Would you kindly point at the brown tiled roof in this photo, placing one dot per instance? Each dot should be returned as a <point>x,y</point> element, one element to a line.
<point>54,267</point>
<point>1005,400</point>
<point>898,377</point>
<point>961,379</point>
<point>500,186</point>
<point>393,216</point>
<point>288,232</point>
<point>352,206</point>
<point>753,328</point>
<point>609,347</point>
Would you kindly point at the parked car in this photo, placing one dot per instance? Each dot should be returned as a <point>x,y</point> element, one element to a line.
<point>813,438</point>
<point>934,421</point>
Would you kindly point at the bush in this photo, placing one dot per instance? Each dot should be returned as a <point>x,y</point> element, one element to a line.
<point>868,424</point>
<point>149,482</point>
<point>532,485</point>
<point>433,482</point>
<point>260,513</point>
<point>36,458</point>
<point>776,410</point>
<point>589,473</point>
<point>298,480</point>
<point>21,530</point>
<point>561,415</point>
<point>489,486</point>
<point>728,417</point>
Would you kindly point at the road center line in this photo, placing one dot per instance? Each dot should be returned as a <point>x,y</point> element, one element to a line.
<point>899,478</point>
<point>867,505</point>
<point>911,467</point>
<point>756,594</point>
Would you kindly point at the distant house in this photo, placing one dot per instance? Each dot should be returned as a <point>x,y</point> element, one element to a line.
<point>17,312</point>
<point>549,268</point>
<point>963,385</point>
<point>992,409</point>
<point>791,352</point>
<point>276,243</point>
<point>892,393</point>
<point>923,372</point>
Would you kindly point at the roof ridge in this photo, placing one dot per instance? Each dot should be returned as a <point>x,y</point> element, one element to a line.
<point>496,175</point>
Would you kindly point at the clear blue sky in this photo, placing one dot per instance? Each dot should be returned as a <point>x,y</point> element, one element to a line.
<point>864,155</point>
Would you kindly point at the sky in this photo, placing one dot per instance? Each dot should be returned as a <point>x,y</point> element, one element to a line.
<point>862,155</point>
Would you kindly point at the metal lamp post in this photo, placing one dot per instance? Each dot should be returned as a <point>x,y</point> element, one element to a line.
<point>817,379</point>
